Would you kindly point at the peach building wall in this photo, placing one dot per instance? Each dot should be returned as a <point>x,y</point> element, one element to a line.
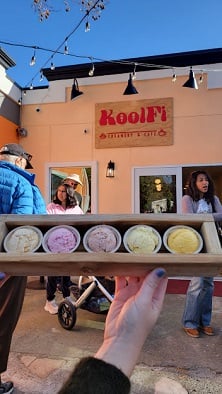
<point>56,133</point>
<point>8,131</point>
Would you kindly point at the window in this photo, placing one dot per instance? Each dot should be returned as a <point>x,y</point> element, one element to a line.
<point>87,171</point>
<point>157,190</point>
<point>160,189</point>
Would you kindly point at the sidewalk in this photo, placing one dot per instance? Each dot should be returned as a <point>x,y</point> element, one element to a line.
<point>43,353</point>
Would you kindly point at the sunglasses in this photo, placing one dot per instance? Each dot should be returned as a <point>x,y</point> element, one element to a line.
<point>68,183</point>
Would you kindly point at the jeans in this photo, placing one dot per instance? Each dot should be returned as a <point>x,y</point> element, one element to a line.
<point>198,304</point>
<point>52,286</point>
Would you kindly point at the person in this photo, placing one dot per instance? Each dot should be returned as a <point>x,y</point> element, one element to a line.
<point>64,202</point>
<point>134,311</point>
<point>74,180</point>
<point>200,198</point>
<point>18,195</point>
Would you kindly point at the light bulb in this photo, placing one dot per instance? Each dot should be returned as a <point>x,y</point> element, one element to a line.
<point>87,28</point>
<point>201,79</point>
<point>174,78</point>
<point>91,71</point>
<point>134,73</point>
<point>32,61</point>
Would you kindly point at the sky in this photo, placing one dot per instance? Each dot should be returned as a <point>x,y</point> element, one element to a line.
<point>125,29</point>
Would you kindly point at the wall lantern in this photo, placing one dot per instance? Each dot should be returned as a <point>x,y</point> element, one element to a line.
<point>110,169</point>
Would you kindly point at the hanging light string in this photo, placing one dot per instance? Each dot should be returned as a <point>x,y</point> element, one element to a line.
<point>64,42</point>
<point>93,59</point>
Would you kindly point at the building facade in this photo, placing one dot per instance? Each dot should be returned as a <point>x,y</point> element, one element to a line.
<point>154,137</point>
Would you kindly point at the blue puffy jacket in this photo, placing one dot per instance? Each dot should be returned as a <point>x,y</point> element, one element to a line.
<point>18,193</point>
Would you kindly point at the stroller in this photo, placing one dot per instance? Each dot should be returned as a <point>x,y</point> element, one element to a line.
<point>92,294</point>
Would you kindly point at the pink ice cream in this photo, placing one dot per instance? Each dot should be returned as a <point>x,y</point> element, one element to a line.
<point>101,239</point>
<point>61,240</point>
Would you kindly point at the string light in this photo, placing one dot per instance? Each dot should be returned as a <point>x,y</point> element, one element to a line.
<point>66,49</point>
<point>174,77</point>
<point>87,27</point>
<point>124,62</point>
<point>90,7</point>
<point>92,69</point>
<point>201,78</point>
<point>41,76</point>
<point>33,60</point>
<point>134,72</point>
<point>52,66</point>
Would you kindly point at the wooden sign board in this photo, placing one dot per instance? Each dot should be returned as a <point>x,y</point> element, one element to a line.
<point>134,123</point>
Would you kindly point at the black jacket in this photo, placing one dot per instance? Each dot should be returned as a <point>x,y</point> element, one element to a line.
<point>94,376</point>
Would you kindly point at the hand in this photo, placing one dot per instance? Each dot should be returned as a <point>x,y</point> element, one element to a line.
<point>132,315</point>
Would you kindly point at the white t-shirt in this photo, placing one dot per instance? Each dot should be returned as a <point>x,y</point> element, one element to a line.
<point>203,207</point>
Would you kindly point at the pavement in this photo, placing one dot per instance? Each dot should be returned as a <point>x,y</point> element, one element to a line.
<point>43,353</point>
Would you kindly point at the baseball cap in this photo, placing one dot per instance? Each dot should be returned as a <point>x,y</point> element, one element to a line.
<point>16,150</point>
<point>74,177</point>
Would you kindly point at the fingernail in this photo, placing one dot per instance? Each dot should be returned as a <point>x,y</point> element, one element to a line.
<point>160,272</point>
<point>2,275</point>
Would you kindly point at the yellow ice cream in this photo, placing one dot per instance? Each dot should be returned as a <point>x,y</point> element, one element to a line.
<point>183,241</point>
<point>142,240</point>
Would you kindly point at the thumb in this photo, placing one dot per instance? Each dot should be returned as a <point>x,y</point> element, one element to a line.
<point>154,287</point>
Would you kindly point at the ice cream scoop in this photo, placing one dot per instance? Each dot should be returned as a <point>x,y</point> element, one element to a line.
<point>23,239</point>
<point>102,238</point>
<point>142,239</point>
<point>183,239</point>
<point>61,239</point>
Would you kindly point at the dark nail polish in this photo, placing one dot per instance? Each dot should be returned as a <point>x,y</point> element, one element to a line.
<point>160,272</point>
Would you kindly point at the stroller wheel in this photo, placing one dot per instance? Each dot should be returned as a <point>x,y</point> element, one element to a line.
<point>67,314</point>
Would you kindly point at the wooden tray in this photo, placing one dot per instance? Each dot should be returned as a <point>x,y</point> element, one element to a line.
<point>206,263</point>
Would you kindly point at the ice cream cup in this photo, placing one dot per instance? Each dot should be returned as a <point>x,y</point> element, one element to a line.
<point>182,239</point>
<point>102,239</point>
<point>23,239</point>
<point>142,239</point>
<point>61,239</point>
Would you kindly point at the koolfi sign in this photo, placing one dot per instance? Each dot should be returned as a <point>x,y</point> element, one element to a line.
<point>134,123</point>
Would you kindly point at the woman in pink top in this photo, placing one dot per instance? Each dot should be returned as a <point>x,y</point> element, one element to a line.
<point>64,202</point>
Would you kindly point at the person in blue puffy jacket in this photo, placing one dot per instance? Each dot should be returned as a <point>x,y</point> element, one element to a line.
<point>18,195</point>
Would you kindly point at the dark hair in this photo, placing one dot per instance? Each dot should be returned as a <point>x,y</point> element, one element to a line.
<point>193,191</point>
<point>70,196</point>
